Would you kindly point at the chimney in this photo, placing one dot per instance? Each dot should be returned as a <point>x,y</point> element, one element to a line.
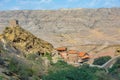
<point>13,23</point>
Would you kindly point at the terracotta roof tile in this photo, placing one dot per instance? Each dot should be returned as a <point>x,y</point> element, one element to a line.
<point>81,54</point>
<point>61,49</point>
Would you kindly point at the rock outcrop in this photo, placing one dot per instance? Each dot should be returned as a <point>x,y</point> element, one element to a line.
<point>24,40</point>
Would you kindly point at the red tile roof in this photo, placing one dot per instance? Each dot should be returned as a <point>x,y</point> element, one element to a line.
<point>81,54</point>
<point>61,49</point>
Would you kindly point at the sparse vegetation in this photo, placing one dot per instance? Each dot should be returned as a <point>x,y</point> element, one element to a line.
<point>20,68</point>
<point>32,56</point>
<point>49,57</point>
<point>101,60</point>
<point>1,61</point>
<point>115,70</point>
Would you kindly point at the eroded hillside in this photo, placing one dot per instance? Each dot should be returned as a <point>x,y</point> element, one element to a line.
<point>72,27</point>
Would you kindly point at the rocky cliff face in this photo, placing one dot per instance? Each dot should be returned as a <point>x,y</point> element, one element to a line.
<point>25,41</point>
<point>69,27</point>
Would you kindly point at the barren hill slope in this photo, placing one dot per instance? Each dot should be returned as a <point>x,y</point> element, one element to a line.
<point>72,27</point>
<point>25,41</point>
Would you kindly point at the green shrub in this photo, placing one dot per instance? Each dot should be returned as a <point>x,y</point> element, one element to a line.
<point>37,65</point>
<point>35,78</point>
<point>101,60</point>
<point>1,61</point>
<point>48,55</point>
<point>102,75</point>
<point>84,72</point>
<point>60,65</point>
<point>1,77</point>
<point>6,28</point>
<point>32,56</point>
<point>20,68</point>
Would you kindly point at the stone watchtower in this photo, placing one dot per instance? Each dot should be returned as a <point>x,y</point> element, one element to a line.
<point>13,23</point>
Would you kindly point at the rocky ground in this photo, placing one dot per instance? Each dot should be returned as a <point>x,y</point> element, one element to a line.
<point>25,41</point>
